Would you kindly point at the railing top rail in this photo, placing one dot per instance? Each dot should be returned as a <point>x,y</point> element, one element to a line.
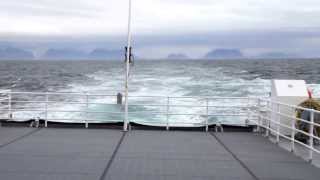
<point>193,97</point>
<point>171,97</point>
<point>61,93</point>
<point>289,105</point>
<point>132,96</point>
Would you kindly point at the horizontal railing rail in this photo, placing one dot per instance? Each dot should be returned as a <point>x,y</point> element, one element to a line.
<point>273,117</point>
<point>89,107</point>
<point>280,120</point>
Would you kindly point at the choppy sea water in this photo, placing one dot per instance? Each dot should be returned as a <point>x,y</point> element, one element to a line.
<point>229,78</point>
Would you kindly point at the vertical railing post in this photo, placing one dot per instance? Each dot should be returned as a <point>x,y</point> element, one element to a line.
<point>168,110</point>
<point>46,110</point>
<point>311,129</point>
<point>87,110</point>
<point>248,112</point>
<point>268,117</point>
<point>293,132</point>
<point>10,105</point>
<point>207,114</point>
<point>278,123</point>
<point>259,115</point>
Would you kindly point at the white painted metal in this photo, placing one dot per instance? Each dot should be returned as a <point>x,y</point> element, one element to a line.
<point>168,112</point>
<point>9,105</point>
<point>292,92</point>
<point>268,122</point>
<point>207,115</point>
<point>46,110</point>
<point>248,111</point>
<point>259,116</point>
<point>87,111</point>
<point>27,106</point>
<point>289,88</point>
<point>279,121</point>
<point>292,127</point>
<point>260,119</point>
<point>125,124</point>
<point>311,131</point>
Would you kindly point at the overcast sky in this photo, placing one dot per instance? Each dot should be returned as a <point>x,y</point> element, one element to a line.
<point>164,26</point>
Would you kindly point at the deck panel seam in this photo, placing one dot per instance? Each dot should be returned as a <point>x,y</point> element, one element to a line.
<point>106,169</point>
<point>235,157</point>
<point>20,138</point>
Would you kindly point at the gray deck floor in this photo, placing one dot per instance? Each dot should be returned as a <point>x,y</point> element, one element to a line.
<point>109,154</point>
<point>300,150</point>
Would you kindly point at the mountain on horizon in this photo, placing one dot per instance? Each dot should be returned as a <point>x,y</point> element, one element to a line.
<point>13,52</point>
<point>72,54</point>
<point>175,56</point>
<point>10,53</point>
<point>276,55</point>
<point>106,54</point>
<point>64,54</point>
<point>224,54</point>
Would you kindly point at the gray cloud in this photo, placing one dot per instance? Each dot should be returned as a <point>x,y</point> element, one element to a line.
<point>161,26</point>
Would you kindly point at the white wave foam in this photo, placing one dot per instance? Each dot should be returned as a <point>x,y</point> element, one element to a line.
<point>187,81</point>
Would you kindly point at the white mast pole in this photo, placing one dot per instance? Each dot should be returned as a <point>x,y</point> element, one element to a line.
<point>125,124</point>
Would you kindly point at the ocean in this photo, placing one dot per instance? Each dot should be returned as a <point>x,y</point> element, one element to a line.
<point>219,78</point>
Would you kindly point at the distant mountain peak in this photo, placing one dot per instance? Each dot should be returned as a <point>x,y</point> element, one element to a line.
<point>177,56</point>
<point>224,54</point>
<point>100,53</point>
<point>11,53</point>
<point>276,55</point>
<point>61,54</point>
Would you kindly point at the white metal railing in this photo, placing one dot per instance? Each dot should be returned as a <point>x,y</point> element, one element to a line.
<point>279,119</point>
<point>275,118</point>
<point>148,110</point>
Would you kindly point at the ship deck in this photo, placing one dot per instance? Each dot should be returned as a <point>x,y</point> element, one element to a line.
<point>105,154</point>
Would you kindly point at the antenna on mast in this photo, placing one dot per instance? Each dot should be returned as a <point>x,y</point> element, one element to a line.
<point>128,61</point>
